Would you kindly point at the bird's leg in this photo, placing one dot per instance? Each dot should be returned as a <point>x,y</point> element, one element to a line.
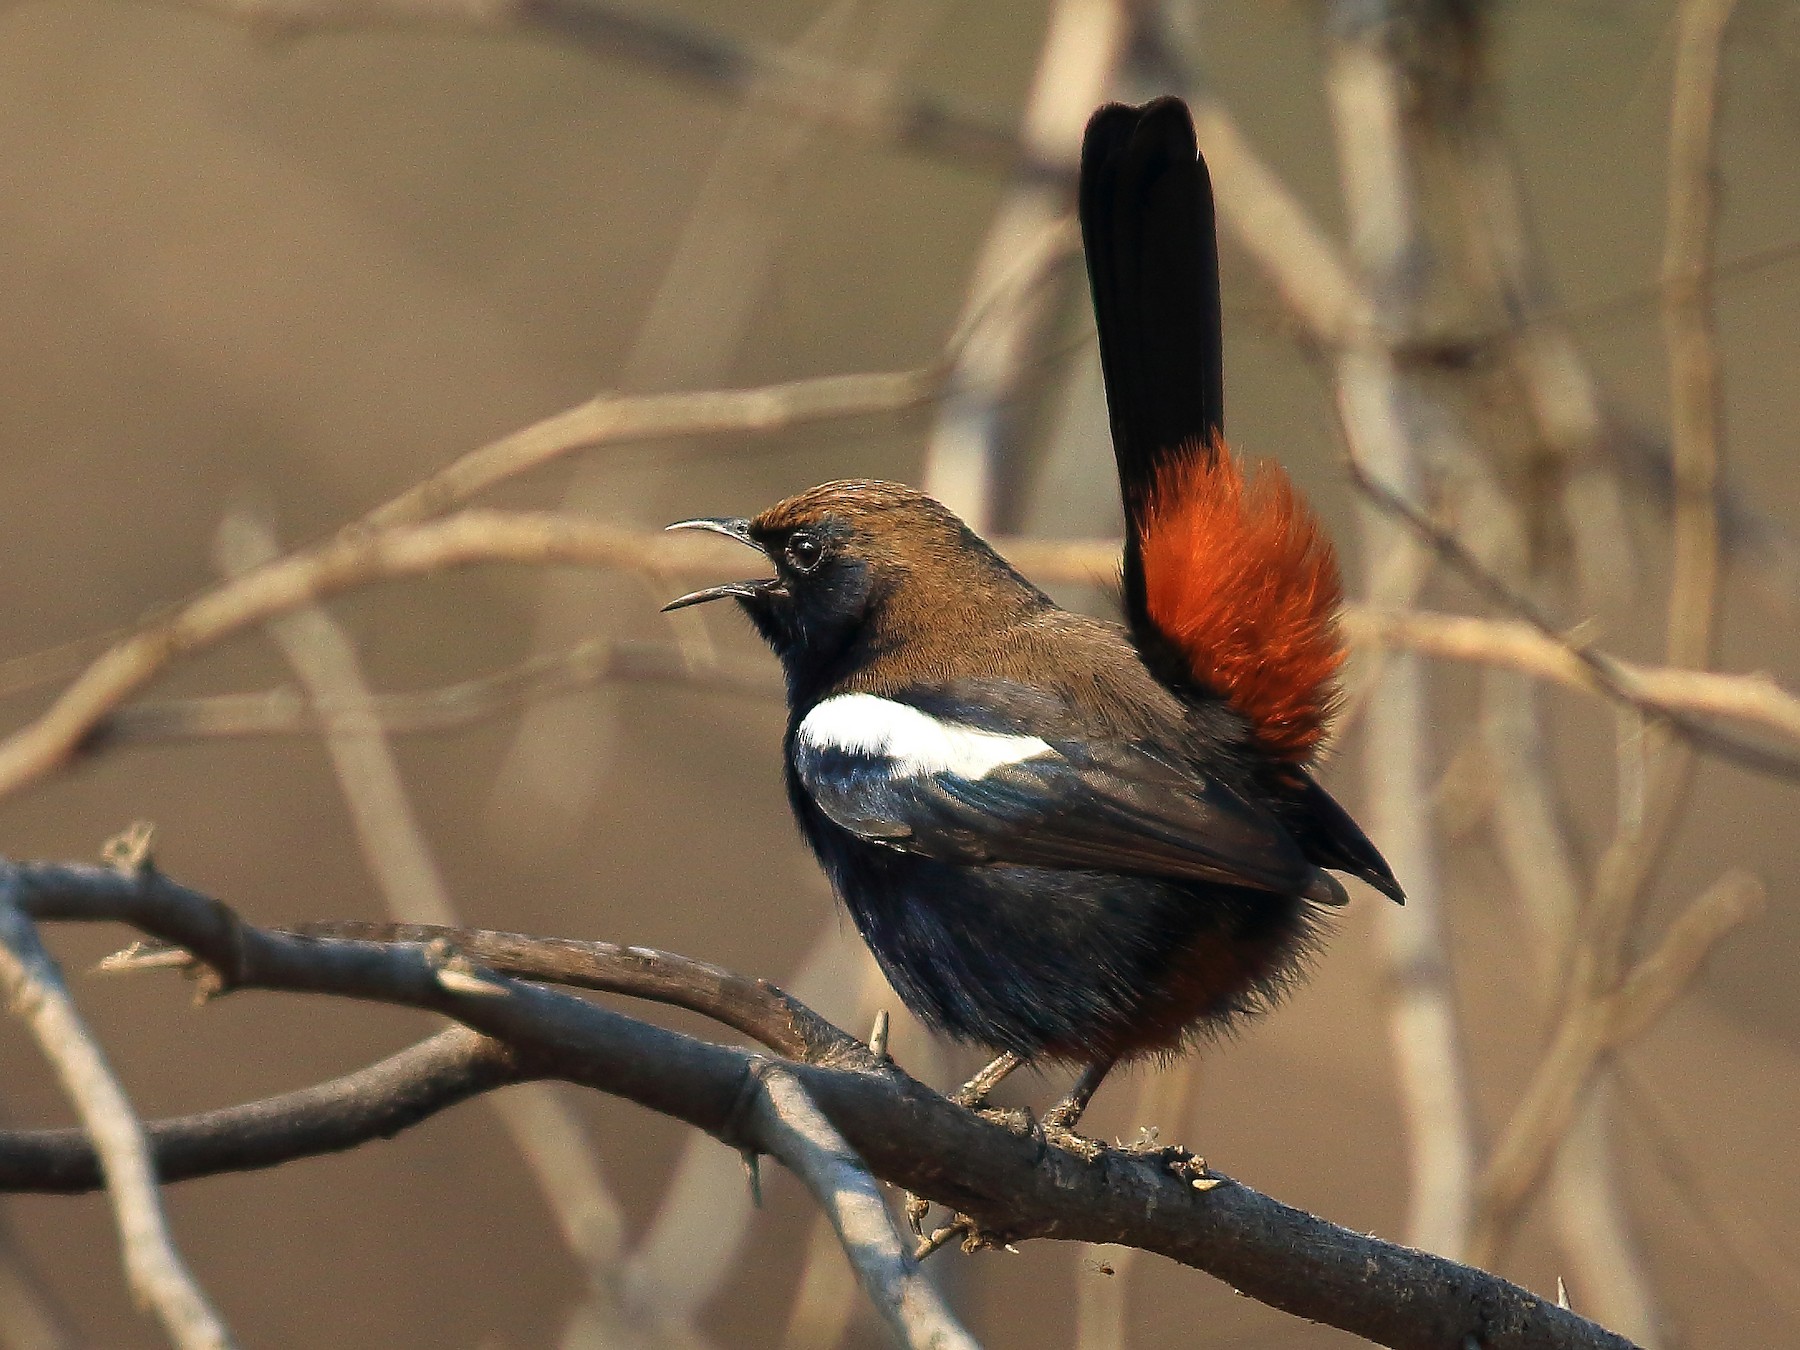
<point>974,1093</point>
<point>1062,1117</point>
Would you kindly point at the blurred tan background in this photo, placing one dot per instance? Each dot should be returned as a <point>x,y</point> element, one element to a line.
<point>247,267</point>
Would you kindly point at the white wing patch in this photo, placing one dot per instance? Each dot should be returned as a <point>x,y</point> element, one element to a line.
<point>916,743</point>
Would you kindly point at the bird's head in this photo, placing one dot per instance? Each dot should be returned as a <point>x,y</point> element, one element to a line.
<point>862,566</point>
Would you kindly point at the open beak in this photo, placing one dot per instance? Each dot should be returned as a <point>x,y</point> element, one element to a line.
<point>731,528</point>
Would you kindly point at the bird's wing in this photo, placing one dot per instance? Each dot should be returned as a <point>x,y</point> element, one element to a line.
<point>896,774</point>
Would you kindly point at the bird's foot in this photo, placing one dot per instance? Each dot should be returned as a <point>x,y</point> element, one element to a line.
<point>974,1093</point>
<point>974,1238</point>
<point>1181,1162</point>
<point>1069,1141</point>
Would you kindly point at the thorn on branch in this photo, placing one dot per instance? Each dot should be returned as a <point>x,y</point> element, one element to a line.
<point>878,1037</point>
<point>458,974</point>
<point>129,852</point>
<point>753,1174</point>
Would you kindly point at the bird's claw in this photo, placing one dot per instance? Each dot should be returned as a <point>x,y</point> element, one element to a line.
<point>1061,1136</point>
<point>975,1238</point>
<point>915,1209</point>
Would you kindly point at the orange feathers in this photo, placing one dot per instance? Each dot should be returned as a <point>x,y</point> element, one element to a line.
<point>1240,575</point>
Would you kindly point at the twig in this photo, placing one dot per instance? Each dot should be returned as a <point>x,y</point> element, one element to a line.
<point>1694,412</point>
<point>284,711</point>
<point>909,1136</point>
<point>1656,691</point>
<point>1604,670</point>
<point>37,996</point>
<point>794,83</point>
<point>89,713</point>
<point>966,464</point>
<point>758,1009</point>
<point>783,1121</point>
<point>373,1103</point>
<point>347,561</point>
<point>1592,1027</point>
<point>614,419</point>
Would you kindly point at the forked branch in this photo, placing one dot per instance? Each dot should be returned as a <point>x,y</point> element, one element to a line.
<point>1001,1172</point>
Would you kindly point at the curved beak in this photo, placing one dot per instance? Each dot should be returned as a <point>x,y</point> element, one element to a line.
<point>732,528</point>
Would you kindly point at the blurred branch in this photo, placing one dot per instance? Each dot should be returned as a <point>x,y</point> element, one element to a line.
<point>1385,422</point>
<point>285,711</point>
<point>713,286</point>
<point>1005,1177</point>
<point>1595,1024</point>
<point>90,714</point>
<point>1566,513</point>
<point>35,994</point>
<point>1307,269</point>
<point>970,461</point>
<point>1505,644</point>
<point>783,1121</point>
<point>870,104</point>
<point>550,1140</point>
<point>1603,670</point>
<point>1656,691</point>
<point>1555,390</point>
<point>1694,411</point>
<point>1605,1000</point>
<point>613,419</point>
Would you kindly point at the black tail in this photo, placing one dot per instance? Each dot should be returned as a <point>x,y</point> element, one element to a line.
<point>1153,263</point>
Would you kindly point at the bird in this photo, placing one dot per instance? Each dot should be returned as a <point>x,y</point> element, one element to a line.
<point>1070,841</point>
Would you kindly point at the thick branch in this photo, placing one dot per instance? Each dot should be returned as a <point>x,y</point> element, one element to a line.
<point>1007,1179</point>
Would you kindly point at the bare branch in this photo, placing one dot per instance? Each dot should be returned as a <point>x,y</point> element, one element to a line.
<point>1589,1030</point>
<point>285,711</point>
<point>615,419</point>
<point>1501,643</point>
<point>1008,1179</point>
<point>1657,691</point>
<point>1602,668</point>
<point>758,1009</point>
<point>783,1121</point>
<point>347,561</point>
<point>1006,324</point>
<point>36,994</point>
<point>1385,426</point>
<point>1688,325</point>
<point>373,1103</point>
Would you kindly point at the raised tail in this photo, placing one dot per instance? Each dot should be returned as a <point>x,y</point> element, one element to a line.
<point>1231,589</point>
<point>1153,262</point>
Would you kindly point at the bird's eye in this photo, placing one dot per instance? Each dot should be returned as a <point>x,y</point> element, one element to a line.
<point>804,551</point>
